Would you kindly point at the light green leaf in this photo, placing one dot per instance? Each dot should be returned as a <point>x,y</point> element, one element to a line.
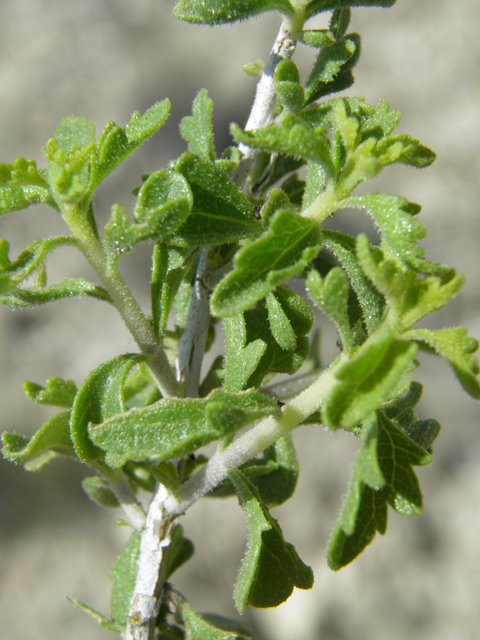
<point>223,11</point>
<point>383,474</point>
<point>317,38</point>
<point>293,137</point>
<point>197,128</point>
<point>29,261</point>
<point>271,567</point>
<point>53,436</point>
<point>23,184</point>
<point>57,392</point>
<point>220,214</point>
<point>123,574</point>
<point>290,243</point>
<point>241,359</point>
<point>98,490</point>
<point>115,144</point>
<point>280,325</point>
<point>102,620</point>
<point>66,288</point>
<point>99,397</point>
<point>368,379</point>
<point>370,300</point>
<point>163,203</point>
<point>409,298</point>
<point>176,427</point>
<point>287,85</point>
<point>456,346</point>
<point>331,296</point>
<point>317,6</point>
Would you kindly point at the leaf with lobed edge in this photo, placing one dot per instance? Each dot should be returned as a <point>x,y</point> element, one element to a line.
<point>382,475</point>
<point>22,184</point>
<point>56,393</point>
<point>197,129</point>
<point>271,567</point>
<point>67,288</point>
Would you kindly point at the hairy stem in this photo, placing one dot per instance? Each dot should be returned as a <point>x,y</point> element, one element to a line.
<point>265,433</point>
<point>122,298</point>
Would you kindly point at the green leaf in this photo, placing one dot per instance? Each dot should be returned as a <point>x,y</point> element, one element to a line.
<point>241,359</point>
<point>66,288</point>
<point>115,144</point>
<point>166,473</point>
<point>102,620</point>
<point>23,184</point>
<point>197,129</point>
<point>456,346</point>
<point>123,574</point>
<point>57,392</point>
<point>163,204</point>
<point>29,261</point>
<point>220,214</point>
<point>383,474</point>
<point>271,567</point>
<point>197,627</point>
<point>100,397</point>
<point>341,55</point>
<point>317,38</point>
<point>290,243</point>
<point>315,7</point>
<point>370,300</point>
<point>224,11</point>
<point>409,298</point>
<point>274,475</point>
<point>180,551</point>
<point>98,490</point>
<point>280,325</point>
<point>176,427</point>
<point>293,137</point>
<point>287,85</point>
<point>53,436</point>
<point>331,296</point>
<point>368,379</point>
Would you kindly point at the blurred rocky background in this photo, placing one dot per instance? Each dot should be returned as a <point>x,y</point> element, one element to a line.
<point>102,59</point>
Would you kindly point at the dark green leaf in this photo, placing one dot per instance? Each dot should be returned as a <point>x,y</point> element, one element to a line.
<point>57,392</point>
<point>198,627</point>
<point>53,436</point>
<point>197,128</point>
<point>180,551</point>
<point>98,490</point>
<point>100,397</point>
<point>271,567</point>
<point>223,11</point>
<point>176,427</point>
<point>383,474</point>
<point>123,574</point>
<point>290,243</point>
<point>220,214</point>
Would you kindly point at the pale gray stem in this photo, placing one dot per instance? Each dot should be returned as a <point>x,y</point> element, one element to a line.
<point>192,343</point>
<point>154,543</point>
<point>262,109</point>
<point>130,505</point>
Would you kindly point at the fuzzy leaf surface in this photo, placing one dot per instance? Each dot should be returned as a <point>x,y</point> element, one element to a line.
<point>382,475</point>
<point>197,627</point>
<point>53,436</point>
<point>99,397</point>
<point>271,567</point>
<point>224,11</point>
<point>123,574</point>
<point>98,490</point>
<point>56,393</point>
<point>220,213</point>
<point>23,184</point>
<point>197,129</point>
<point>290,243</point>
<point>24,298</point>
<point>176,427</point>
